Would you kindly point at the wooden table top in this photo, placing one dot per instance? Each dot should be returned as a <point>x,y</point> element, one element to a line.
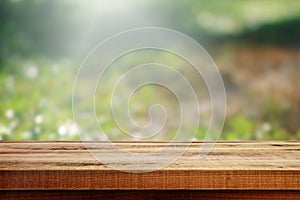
<point>231,165</point>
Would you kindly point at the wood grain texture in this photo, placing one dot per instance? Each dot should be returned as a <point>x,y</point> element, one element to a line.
<point>149,194</point>
<point>241,165</point>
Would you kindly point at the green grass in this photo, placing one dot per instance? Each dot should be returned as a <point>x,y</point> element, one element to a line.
<point>36,104</point>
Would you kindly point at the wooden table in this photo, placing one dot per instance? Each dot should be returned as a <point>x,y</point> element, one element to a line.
<point>235,169</point>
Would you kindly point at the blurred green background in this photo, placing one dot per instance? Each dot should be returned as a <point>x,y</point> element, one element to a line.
<point>255,44</point>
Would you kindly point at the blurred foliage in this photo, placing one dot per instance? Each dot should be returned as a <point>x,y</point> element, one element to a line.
<point>255,44</point>
<point>34,105</point>
<point>34,28</point>
<point>215,21</point>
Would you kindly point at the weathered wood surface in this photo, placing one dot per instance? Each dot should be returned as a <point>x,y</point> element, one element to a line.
<point>248,165</point>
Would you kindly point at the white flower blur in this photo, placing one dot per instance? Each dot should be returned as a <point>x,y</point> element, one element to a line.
<point>32,72</point>
<point>38,119</point>
<point>68,129</point>
<point>9,113</point>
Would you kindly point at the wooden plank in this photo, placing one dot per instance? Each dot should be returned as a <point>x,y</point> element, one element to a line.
<point>148,194</point>
<point>237,165</point>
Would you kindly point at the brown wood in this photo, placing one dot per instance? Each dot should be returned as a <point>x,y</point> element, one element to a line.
<point>149,194</point>
<point>240,165</point>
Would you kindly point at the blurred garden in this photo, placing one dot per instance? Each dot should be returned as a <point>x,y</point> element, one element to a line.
<point>254,43</point>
